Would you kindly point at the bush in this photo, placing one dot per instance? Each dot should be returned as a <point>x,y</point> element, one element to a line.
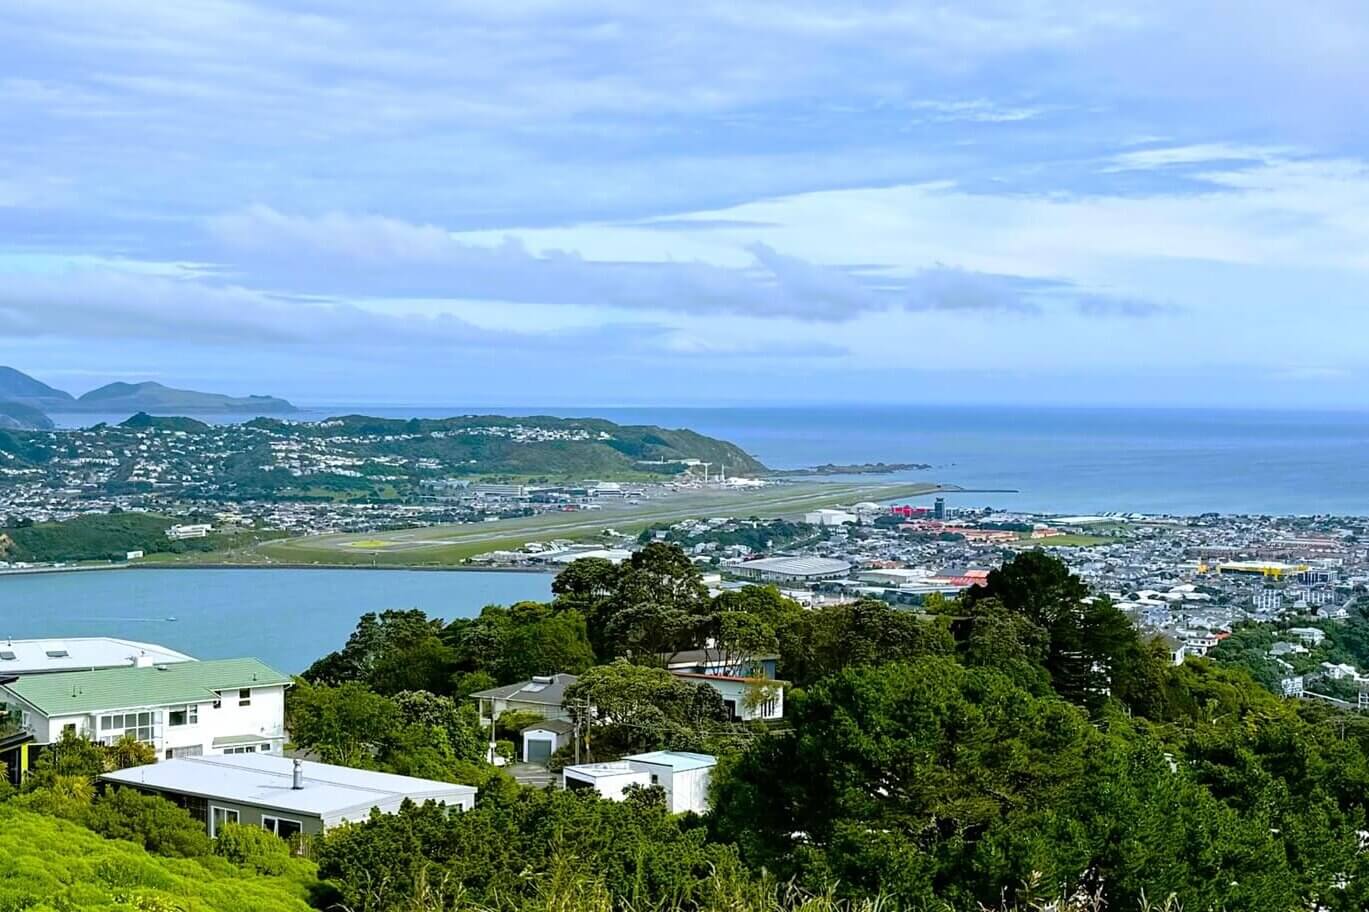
<point>152,822</point>
<point>252,848</point>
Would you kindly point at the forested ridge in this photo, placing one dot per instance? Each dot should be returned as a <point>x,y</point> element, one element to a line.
<point>1021,747</point>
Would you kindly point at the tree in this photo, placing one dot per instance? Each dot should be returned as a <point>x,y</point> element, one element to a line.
<point>826,640</point>
<point>629,708</point>
<point>389,652</point>
<point>347,724</point>
<point>649,608</point>
<point>931,782</point>
<point>513,644</point>
<point>743,623</point>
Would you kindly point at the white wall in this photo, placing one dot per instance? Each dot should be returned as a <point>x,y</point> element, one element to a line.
<point>610,786</point>
<point>264,717</point>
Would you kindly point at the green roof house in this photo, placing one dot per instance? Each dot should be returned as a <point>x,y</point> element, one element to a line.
<point>186,709</point>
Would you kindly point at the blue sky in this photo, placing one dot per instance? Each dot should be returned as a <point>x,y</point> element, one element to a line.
<point>602,202</point>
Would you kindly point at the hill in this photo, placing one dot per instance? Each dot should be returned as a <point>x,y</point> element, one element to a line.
<point>46,863</point>
<point>96,536</point>
<point>17,386</point>
<point>144,420</point>
<point>491,445</point>
<point>17,416</point>
<point>155,397</point>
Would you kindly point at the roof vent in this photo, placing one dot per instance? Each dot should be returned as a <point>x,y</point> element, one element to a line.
<point>297,781</point>
<point>58,654</point>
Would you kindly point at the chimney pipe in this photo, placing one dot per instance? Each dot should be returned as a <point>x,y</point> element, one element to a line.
<point>297,782</point>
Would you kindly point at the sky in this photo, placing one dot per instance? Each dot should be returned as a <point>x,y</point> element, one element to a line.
<point>535,202</point>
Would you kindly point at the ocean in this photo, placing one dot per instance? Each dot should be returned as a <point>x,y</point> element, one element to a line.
<point>1060,460</point>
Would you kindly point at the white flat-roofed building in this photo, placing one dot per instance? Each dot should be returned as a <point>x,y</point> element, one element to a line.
<point>43,656</point>
<point>792,569</point>
<point>610,780</point>
<point>282,795</point>
<point>189,530</point>
<point>182,709</point>
<point>682,775</point>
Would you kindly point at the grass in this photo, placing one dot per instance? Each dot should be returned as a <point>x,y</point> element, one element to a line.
<point>451,545</point>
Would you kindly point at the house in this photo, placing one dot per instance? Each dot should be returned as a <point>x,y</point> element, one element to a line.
<point>286,797</point>
<point>683,776</point>
<point>1311,636</point>
<point>182,709</point>
<point>715,661</point>
<point>610,780</point>
<point>543,694</point>
<point>746,699</point>
<point>542,739</point>
<point>29,657</point>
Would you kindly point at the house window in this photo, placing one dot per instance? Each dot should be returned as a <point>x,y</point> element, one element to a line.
<point>144,725</point>
<point>195,750</point>
<point>70,727</point>
<point>245,697</point>
<point>249,749</point>
<point>282,827</point>
<point>184,715</point>
<point>219,816</point>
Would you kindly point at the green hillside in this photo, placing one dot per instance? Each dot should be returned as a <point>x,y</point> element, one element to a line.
<point>96,536</point>
<point>482,444</point>
<point>50,864</point>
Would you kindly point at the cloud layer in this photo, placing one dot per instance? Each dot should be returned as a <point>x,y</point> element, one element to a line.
<point>770,189</point>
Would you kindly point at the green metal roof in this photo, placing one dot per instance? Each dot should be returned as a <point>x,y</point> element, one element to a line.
<point>75,692</point>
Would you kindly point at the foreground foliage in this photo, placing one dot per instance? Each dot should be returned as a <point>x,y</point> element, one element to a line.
<point>49,864</point>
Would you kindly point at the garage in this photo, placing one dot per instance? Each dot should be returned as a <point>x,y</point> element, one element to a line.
<point>542,739</point>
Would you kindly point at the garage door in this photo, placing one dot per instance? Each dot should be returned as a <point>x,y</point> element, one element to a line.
<point>538,750</point>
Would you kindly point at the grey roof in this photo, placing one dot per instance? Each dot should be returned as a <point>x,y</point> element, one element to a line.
<point>547,691</point>
<point>796,566</point>
<point>560,726</point>
<point>81,654</point>
<point>262,780</point>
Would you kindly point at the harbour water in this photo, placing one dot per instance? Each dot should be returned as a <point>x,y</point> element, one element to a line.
<point>286,618</point>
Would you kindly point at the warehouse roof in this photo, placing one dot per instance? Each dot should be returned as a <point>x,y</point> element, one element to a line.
<point>797,566</point>
<point>81,654</point>
<point>74,692</point>
<point>262,780</point>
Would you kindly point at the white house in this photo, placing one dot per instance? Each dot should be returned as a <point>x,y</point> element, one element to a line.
<point>611,780</point>
<point>183,709</point>
<point>746,699</point>
<point>542,694</point>
<point>282,796</point>
<point>683,776</point>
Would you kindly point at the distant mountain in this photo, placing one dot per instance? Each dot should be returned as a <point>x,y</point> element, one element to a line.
<point>154,397</point>
<point>16,416</point>
<point>17,386</point>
